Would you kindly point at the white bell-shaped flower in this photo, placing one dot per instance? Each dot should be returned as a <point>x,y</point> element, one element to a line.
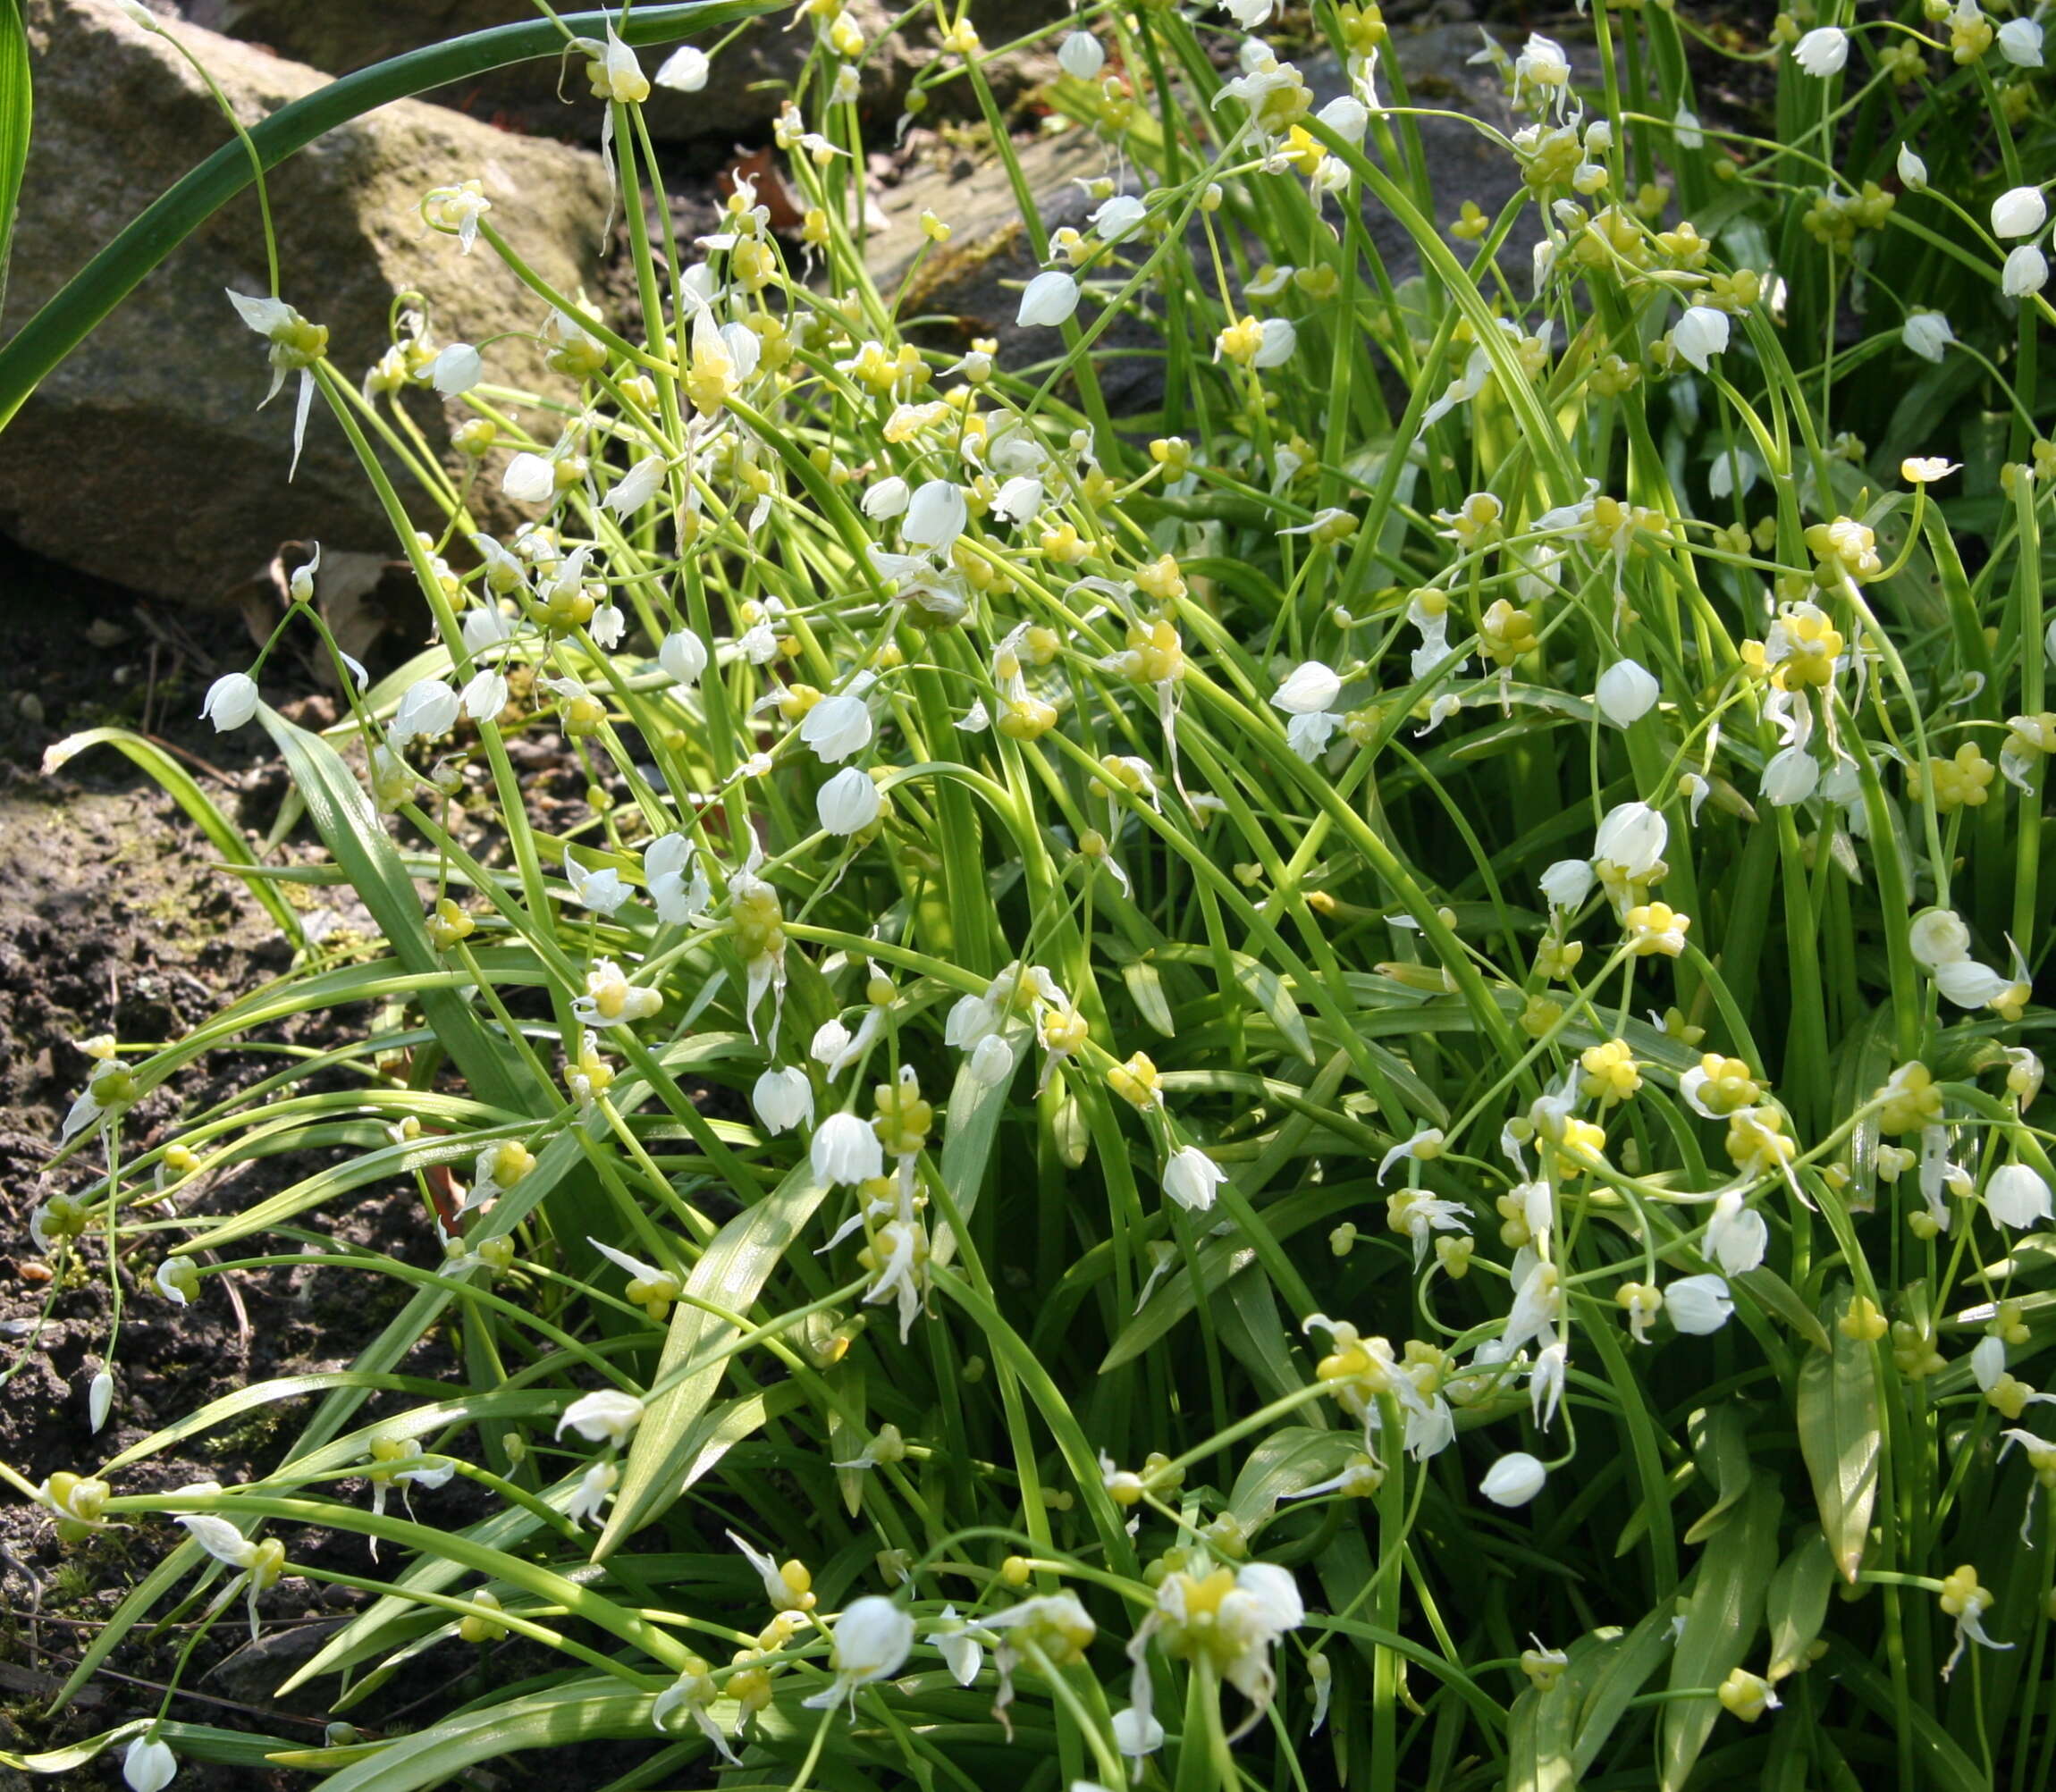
<point>456,369</point>
<point>783,1098</point>
<point>685,69</point>
<point>846,1150</point>
<point>1698,1304</point>
<point>850,801</point>
<point>935,516</point>
<point>1912,170</point>
<point>838,727</point>
<point>2021,43</point>
<point>605,1415</point>
<point>1632,836</point>
<point>148,1765</point>
<point>1513,1480</point>
<point>872,1640</point>
<point>1823,51</point>
<point>1191,1178</point>
<point>1737,1235</point>
<point>1567,883</point>
<point>1047,300</point>
<point>1080,57</point>
<point>2019,212</point>
<point>1700,335</point>
<point>1791,776</point>
<point>529,479</point>
<point>1628,691</point>
<point>2016,1196</point>
<point>230,702</point>
<point>2025,273</point>
<point>1308,689</point>
<point>887,498</point>
<point>1927,333</point>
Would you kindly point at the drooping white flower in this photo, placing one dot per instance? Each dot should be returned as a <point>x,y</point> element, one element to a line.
<point>1927,333</point>
<point>2026,272</point>
<point>991,1060</point>
<point>149,1765</point>
<point>1791,775</point>
<point>2021,43</point>
<point>1925,469</point>
<point>1698,1304</point>
<point>1080,57</point>
<point>1737,1235</point>
<point>2019,212</point>
<point>1513,1480</point>
<point>1936,937</point>
<point>637,487</point>
<point>596,1487</point>
<point>850,801</point>
<point>428,710</point>
<point>1119,218</point>
<point>839,726</point>
<point>962,1644</point>
<point>678,887</point>
<point>295,345</point>
<point>1192,1178</point>
<point>935,516</point>
<point>99,1399</point>
<point>1136,1734</point>
<point>1823,51</point>
<point>1280,338</point>
<point>783,1098</point>
<point>2016,1196</point>
<point>529,479</point>
<point>887,498</point>
<point>1685,128</point>
<point>685,69</point>
<point>1912,170</point>
<point>1047,300</point>
<point>1628,691</point>
<point>872,1640</point>
<point>846,1150</point>
<point>1567,883</point>
<point>1308,688</point>
<point>605,1415</point>
<point>1347,116</point>
<point>600,891</point>
<point>456,369</point>
<point>683,656</point>
<point>1632,836</point>
<point>615,72</point>
<point>1969,984</point>
<point>230,702</point>
<point>1732,470</point>
<point>1700,335</point>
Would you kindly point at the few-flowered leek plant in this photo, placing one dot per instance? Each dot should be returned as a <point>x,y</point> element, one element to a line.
<point>1337,1082</point>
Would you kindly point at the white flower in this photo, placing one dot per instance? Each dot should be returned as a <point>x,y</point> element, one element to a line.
<point>1937,936</point>
<point>1513,1480</point>
<point>1700,335</point>
<point>1247,14</point>
<point>1628,691</point>
<point>1969,984</point>
<point>887,499</point>
<point>1048,299</point>
<point>529,479</point>
<point>2019,212</point>
<point>1685,128</point>
<point>683,656</point>
<point>1080,57</point>
<point>1912,170</point>
<point>1927,333</point>
<point>602,891</point>
<point>1633,836</point>
<point>484,695</point>
<point>231,701</point>
<point>685,69</point>
<point>872,1639</point>
<point>850,801</point>
<point>1698,1304</point>
<point>1567,883</point>
<point>963,1648</point>
<point>991,1060</point>
<point>428,709</point>
<point>596,1487</point>
<point>2017,1197</point>
<point>935,516</point>
<point>615,72</point>
<point>637,487</point>
<point>1137,1734</point>
<point>99,1399</point>
<point>1279,339</point>
<point>1925,470</point>
<point>1307,689</point>
<point>783,1098</point>
<point>1119,218</point>
<point>1737,1236</point>
<point>846,1150</point>
<point>149,1765</point>
<point>456,369</point>
<point>295,344</point>
<point>1191,1177</point>
<point>838,727</point>
<point>1790,776</point>
<point>677,898</point>
<point>1823,51</point>
<point>2025,273</point>
<point>2021,43</point>
<point>605,1415</point>
<point>1347,116</point>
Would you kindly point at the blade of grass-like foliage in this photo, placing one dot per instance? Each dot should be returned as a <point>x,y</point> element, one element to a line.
<point>97,288</point>
<point>1626,1669</point>
<point>1839,1434</point>
<point>1796,1604</point>
<point>17,109</point>
<point>178,783</point>
<point>201,1741</point>
<point>1285,1463</point>
<point>1727,1609</point>
<point>352,832</point>
<point>730,1275</point>
<point>266,1393</point>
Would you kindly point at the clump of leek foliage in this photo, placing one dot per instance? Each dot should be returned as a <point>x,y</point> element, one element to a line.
<point>1338,1085</point>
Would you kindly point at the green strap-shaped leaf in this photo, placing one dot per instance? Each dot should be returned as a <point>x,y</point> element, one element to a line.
<point>17,107</point>
<point>1839,1437</point>
<point>353,833</point>
<point>730,1276</point>
<point>1796,1604</point>
<point>1727,1610</point>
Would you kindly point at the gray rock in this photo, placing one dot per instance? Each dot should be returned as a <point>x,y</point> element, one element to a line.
<point>752,75</point>
<point>143,458</point>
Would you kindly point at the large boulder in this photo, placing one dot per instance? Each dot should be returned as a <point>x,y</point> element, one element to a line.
<point>144,458</point>
<point>752,75</point>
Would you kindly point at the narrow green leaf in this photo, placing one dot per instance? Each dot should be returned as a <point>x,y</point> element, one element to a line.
<point>1839,1438</point>
<point>730,1276</point>
<point>17,107</point>
<point>1146,988</point>
<point>1796,1605</point>
<point>1285,1462</point>
<point>1719,1438</point>
<point>1727,1610</point>
<point>1625,1669</point>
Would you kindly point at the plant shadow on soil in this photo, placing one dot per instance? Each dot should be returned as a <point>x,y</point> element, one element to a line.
<point>114,919</point>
